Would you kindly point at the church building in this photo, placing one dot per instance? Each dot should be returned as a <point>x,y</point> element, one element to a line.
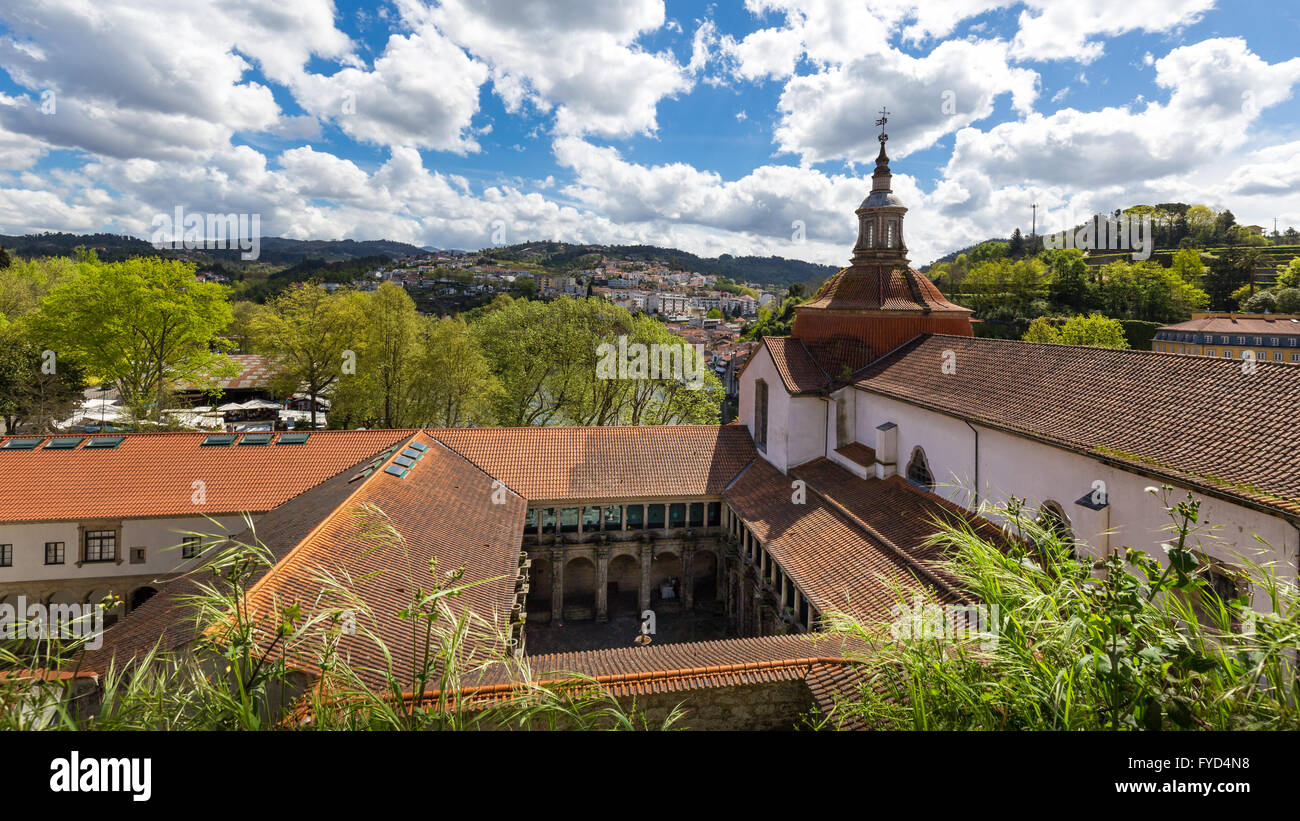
<point>879,415</point>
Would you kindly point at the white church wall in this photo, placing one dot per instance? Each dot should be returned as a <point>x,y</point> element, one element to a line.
<point>1014,465</point>
<point>796,425</point>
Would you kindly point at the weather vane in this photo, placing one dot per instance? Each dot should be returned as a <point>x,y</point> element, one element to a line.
<point>884,118</point>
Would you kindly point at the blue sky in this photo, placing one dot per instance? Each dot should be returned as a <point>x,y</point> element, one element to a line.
<point>713,127</point>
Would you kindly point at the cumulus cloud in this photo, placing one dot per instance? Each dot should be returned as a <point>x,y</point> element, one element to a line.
<point>577,58</point>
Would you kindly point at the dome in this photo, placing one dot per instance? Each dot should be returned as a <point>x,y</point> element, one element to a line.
<point>877,199</point>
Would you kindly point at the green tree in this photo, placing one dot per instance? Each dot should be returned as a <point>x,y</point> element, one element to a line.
<point>1187,265</point>
<point>454,380</point>
<point>313,334</point>
<point>1232,269</point>
<point>1095,330</point>
<point>1289,276</point>
<point>1016,248</point>
<point>1042,330</point>
<point>1288,300</point>
<point>35,390</point>
<point>144,324</point>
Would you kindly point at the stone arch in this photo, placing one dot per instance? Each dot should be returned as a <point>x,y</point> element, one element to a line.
<point>706,575</point>
<point>111,614</point>
<point>579,582</point>
<point>624,582</point>
<point>140,595</point>
<point>539,584</point>
<point>1052,516</point>
<point>666,569</point>
<point>918,469</point>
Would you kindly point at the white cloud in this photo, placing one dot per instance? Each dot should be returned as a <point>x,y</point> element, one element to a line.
<point>1053,30</point>
<point>578,58</point>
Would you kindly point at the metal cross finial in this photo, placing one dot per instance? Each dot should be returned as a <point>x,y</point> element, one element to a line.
<point>884,118</point>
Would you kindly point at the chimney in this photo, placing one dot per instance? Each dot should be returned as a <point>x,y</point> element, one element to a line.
<point>886,450</point>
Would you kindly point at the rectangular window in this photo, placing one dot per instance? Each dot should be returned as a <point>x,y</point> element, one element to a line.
<point>760,415</point>
<point>1209,352</point>
<point>54,552</point>
<point>190,547</point>
<point>1291,342</point>
<point>697,514</point>
<point>6,555</point>
<point>137,555</point>
<point>655,517</point>
<point>635,517</point>
<point>715,514</point>
<point>101,545</point>
<point>613,517</point>
<point>1272,340</point>
<point>1227,354</point>
<point>530,521</point>
<point>677,514</point>
<point>1277,356</point>
<point>590,519</point>
<point>1241,340</point>
<point>1295,357</point>
<point>569,520</point>
<point>548,520</point>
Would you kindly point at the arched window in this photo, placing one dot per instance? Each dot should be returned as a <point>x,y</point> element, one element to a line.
<point>871,234</point>
<point>889,237</point>
<point>760,414</point>
<point>918,469</point>
<point>1052,516</point>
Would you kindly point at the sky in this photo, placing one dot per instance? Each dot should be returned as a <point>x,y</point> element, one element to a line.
<point>738,128</point>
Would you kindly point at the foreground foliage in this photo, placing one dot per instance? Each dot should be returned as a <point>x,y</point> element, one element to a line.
<point>1127,642</point>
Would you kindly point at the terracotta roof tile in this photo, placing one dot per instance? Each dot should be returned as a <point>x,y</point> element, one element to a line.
<point>799,371</point>
<point>553,464</point>
<point>153,474</point>
<point>826,550</point>
<point>1192,420</point>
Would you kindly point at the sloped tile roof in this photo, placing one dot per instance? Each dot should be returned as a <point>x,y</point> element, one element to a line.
<point>1192,420</point>
<point>154,474</point>
<point>798,370</point>
<point>444,509</point>
<point>827,551</point>
<point>255,371</point>
<point>625,462</point>
<point>887,286</point>
<point>167,620</point>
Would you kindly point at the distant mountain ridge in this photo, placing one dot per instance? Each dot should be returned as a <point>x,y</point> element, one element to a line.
<point>275,250</point>
<point>775,271</point>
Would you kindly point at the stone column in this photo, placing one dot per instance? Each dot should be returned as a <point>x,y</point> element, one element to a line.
<point>647,556</point>
<point>758,608</point>
<point>602,582</point>
<point>688,576</point>
<point>557,584</point>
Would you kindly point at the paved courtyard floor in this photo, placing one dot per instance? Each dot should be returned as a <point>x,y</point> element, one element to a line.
<point>624,625</point>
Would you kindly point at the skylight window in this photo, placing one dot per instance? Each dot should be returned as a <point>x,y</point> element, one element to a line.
<point>396,470</point>
<point>256,439</point>
<point>412,454</point>
<point>25,443</point>
<point>420,446</point>
<point>219,440</point>
<point>404,462</point>
<point>64,442</point>
<point>104,441</point>
<point>292,438</point>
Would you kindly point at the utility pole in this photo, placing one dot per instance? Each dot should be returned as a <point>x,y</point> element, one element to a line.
<point>1033,232</point>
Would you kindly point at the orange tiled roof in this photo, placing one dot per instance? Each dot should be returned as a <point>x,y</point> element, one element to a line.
<point>798,370</point>
<point>825,662</point>
<point>624,462</point>
<point>884,286</point>
<point>444,509</point>
<point>839,562</point>
<point>255,371</point>
<point>1279,325</point>
<point>1192,420</point>
<point>153,474</point>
